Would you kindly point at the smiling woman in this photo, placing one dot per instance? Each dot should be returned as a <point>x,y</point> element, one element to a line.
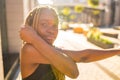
<point>44,21</point>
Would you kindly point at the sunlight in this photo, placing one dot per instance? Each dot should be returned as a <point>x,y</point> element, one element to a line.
<point>45,1</point>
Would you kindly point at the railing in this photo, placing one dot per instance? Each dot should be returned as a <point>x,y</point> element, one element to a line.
<point>89,16</point>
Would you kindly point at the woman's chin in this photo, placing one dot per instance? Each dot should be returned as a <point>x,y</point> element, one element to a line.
<point>50,42</point>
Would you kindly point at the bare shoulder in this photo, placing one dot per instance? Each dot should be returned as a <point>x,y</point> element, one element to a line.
<point>26,53</point>
<point>27,48</point>
<point>31,55</point>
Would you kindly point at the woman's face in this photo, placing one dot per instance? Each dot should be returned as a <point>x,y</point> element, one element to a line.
<point>48,26</point>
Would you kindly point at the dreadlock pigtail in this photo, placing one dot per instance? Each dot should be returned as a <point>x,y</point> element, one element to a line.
<point>34,19</point>
<point>37,19</point>
<point>29,21</point>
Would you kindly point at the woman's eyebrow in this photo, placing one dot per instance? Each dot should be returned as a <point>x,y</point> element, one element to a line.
<point>48,21</point>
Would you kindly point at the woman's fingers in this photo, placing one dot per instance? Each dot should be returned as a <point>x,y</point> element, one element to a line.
<point>27,33</point>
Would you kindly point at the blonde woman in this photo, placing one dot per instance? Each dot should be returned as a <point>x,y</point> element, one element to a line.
<point>40,60</point>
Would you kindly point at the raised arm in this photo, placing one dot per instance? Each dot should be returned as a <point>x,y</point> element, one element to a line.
<point>90,55</point>
<point>60,60</point>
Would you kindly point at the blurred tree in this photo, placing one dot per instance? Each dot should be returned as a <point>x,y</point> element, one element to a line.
<point>93,3</point>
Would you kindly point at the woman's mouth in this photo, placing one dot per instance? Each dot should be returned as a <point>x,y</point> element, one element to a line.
<point>50,40</point>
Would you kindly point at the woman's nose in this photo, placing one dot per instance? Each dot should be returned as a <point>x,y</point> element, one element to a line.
<point>52,30</point>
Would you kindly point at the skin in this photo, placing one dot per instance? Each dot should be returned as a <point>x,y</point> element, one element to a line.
<point>39,49</point>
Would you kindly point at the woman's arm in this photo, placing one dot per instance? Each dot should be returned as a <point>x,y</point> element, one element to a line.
<point>57,58</point>
<point>63,60</point>
<point>90,55</point>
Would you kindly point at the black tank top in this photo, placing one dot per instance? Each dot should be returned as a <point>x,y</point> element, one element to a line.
<point>43,72</point>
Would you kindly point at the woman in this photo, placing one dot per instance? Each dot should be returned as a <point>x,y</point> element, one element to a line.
<point>40,60</point>
<point>35,65</point>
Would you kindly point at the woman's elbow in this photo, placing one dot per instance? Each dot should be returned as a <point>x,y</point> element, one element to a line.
<point>74,74</point>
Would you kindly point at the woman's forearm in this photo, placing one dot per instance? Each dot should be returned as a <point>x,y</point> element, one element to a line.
<point>95,55</point>
<point>90,55</point>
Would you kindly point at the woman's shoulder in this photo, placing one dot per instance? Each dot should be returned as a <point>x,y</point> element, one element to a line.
<point>27,52</point>
<point>27,48</point>
<point>31,55</point>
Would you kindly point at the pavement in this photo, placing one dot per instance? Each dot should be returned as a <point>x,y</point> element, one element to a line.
<point>107,69</point>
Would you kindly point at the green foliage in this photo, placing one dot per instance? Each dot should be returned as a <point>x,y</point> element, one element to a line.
<point>78,8</point>
<point>95,34</point>
<point>93,3</point>
<point>66,11</point>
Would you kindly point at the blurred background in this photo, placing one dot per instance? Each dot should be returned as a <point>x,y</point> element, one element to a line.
<point>79,18</point>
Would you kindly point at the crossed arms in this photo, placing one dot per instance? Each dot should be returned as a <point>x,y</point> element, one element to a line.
<point>63,60</point>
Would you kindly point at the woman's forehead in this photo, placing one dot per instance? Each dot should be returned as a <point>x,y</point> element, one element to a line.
<point>48,15</point>
<point>48,12</point>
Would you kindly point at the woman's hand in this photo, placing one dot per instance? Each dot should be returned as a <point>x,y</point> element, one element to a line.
<point>27,34</point>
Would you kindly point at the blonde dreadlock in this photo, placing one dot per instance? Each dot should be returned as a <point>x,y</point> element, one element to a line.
<point>33,18</point>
